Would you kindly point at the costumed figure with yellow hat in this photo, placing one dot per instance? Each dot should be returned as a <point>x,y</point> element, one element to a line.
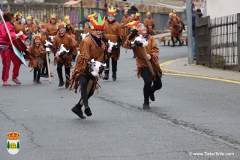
<point>92,51</point>
<point>137,16</point>
<point>146,50</point>
<point>125,20</point>
<point>62,48</point>
<point>30,27</point>
<point>173,24</point>
<point>149,23</point>
<point>42,30</point>
<point>180,22</point>
<point>51,25</point>
<point>36,56</point>
<point>18,26</point>
<point>112,33</point>
<point>69,27</point>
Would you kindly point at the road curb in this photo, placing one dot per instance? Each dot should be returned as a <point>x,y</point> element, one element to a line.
<point>186,74</point>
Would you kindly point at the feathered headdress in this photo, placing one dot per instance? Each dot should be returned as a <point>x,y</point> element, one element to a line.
<point>66,18</point>
<point>112,11</point>
<point>99,24</point>
<point>53,16</point>
<point>133,25</point>
<point>36,36</point>
<point>91,15</point>
<point>18,15</point>
<point>61,24</point>
<point>29,17</point>
<point>170,14</point>
<point>148,13</point>
<point>138,14</point>
<point>41,25</point>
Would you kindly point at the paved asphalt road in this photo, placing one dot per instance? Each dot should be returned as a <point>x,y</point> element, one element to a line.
<point>190,116</point>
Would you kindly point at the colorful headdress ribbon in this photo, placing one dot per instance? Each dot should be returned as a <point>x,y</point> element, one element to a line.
<point>29,17</point>
<point>148,13</point>
<point>41,25</point>
<point>61,24</point>
<point>36,36</point>
<point>138,14</point>
<point>99,24</point>
<point>91,15</point>
<point>112,11</point>
<point>53,16</point>
<point>133,25</point>
<point>18,15</point>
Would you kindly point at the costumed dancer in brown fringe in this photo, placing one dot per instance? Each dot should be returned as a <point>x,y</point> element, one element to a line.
<point>142,68</point>
<point>112,32</point>
<point>149,23</point>
<point>63,59</point>
<point>180,22</point>
<point>42,30</point>
<point>137,16</point>
<point>92,47</point>
<point>69,27</point>
<point>125,20</point>
<point>36,56</point>
<point>51,26</point>
<point>30,27</point>
<point>18,26</point>
<point>175,29</point>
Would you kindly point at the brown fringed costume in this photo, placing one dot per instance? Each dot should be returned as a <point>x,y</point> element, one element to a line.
<point>89,50</point>
<point>176,26</point>
<point>36,55</point>
<point>51,29</point>
<point>32,28</point>
<point>124,28</point>
<point>68,44</point>
<point>19,27</point>
<point>151,49</point>
<point>70,30</point>
<point>149,23</point>
<point>112,31</point>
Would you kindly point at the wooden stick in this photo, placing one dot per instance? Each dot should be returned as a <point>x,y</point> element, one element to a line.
<point>89,86</point>
<point>148,62</point>
<point>48,67</point>
<point>31,69</point>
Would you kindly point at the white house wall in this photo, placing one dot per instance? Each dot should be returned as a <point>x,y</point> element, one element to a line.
<point>219,8</point>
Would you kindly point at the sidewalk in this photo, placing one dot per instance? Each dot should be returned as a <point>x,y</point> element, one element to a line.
<point>181,66</point>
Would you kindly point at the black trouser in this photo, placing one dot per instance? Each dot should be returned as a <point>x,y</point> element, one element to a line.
<point>59,71</point>
<point>148,87</point>
<point>36,74</point>
<point>84,96</point>
<point>45,67</point>
<point>177,39</point>
<point>114,65</point>
<point>74,58</point>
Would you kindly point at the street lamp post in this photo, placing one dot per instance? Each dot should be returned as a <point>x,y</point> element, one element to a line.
<point>189,31</point>
<point>142,9</point>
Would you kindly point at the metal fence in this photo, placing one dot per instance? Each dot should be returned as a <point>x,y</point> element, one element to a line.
<point>77,14</point>
<point>218,43</point>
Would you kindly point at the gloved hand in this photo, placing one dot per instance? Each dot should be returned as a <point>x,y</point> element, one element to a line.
<point>133,34</point>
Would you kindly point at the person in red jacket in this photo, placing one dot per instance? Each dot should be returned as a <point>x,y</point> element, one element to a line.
<point>6,50</point>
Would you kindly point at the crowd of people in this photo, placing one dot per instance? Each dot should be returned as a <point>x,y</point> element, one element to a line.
<point>101,33</point>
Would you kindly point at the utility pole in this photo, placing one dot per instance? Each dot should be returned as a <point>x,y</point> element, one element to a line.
<point>205,8</point>
<point>189,31</point>
<point>142,10</point>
